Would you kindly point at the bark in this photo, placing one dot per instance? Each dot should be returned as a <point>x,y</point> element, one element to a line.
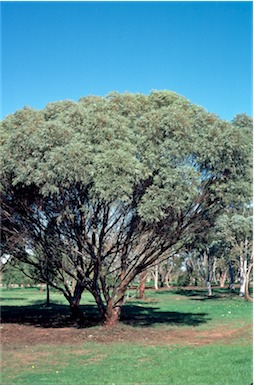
<point>166,279</point>
<point>142,285</point>
<point>243,273</point>
<point>73,282</point>
<point>156,276</point>
<point>232,276</point>
<point>209,288</point>
<point>76,313</point>
<point>214,279</point>
<point>114,308</point>
<point>74,301</point>
<point>247,296</point>
<point>208,274</point>
<point>47,295</point>
<point>161,280</point>
<point>223,277</point>
<point>99,302</point>
<point>112,314</point>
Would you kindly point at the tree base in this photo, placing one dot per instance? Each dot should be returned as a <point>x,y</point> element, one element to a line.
<point>112,316</point>
<point>77,315</point>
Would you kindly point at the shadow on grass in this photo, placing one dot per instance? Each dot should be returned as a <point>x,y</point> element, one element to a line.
<point>12,299</point>
<point>202,295</point>
<point>135,315</point>
<point>58,316</point>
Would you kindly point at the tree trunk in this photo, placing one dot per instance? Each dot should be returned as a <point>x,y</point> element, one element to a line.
<point>156,276</point>
<point>214,279</point>
<point>166,279</point>
<point>76,313</point>
<point>47,295</point>
<point>209,288</point>
<point>208,274</point>
<point>247,296</point>
<point>112,314</point>
<point>243,273</point>
<point>99,302</point>
<point>161,280</point>
<point>142,285</point>
<point>223,277</point>
<point>232,276</point>
<point>114,305</point>
<point>114,308</point>
<point>73,284</point>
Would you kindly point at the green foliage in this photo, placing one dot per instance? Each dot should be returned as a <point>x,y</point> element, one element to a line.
<point>183,279</point>
<point>111,144</point>
<point>13,275</point>
<point>236,226</point>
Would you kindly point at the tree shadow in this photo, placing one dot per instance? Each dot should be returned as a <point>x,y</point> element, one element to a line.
<point>12,299</point>
<point>135,315</point>
<point>203,295</point>
<point>54,316</point>
<point>190,293</point>
<point>59,316</point>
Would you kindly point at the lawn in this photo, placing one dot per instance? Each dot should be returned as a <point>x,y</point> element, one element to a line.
<point>173,337</point>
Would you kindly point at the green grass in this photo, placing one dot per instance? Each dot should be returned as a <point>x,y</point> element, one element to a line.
<point>32,295</point>
<point>134,364</point>
<point>223,308</point>
<point>123,363</point>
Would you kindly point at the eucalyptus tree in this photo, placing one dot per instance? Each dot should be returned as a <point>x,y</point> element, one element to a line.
<point>235,229</point>
<point>103,188</point>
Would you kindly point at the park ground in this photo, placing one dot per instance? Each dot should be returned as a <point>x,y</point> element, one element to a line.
<point>173,337</point>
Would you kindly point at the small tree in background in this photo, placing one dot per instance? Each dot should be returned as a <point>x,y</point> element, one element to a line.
<point>235,228</point>
<point>105,187</point>
<point>13,274</point>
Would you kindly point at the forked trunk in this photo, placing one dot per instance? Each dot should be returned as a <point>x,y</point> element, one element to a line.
<point>74,301</point>
<point>112,314</point>
<point>114,306</point>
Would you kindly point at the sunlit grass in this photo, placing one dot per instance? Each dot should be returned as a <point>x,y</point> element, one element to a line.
<point>125,364</point>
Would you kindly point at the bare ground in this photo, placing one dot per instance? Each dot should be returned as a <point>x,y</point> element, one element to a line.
<point>17,335</point>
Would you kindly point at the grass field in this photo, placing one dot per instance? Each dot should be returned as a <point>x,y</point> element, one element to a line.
<point>173,337</point>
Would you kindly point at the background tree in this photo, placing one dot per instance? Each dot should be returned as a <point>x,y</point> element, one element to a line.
<point>236,229</point>
<point>161,271</point>
<point>105,187</point>
<point>13,274</point>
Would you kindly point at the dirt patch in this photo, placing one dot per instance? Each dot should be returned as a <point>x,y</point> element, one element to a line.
<point>14,335</point>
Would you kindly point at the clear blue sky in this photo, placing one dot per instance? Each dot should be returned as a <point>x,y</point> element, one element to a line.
<point>65,50</point>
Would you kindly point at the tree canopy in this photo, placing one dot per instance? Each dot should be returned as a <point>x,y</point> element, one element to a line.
<point>95,191</point>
